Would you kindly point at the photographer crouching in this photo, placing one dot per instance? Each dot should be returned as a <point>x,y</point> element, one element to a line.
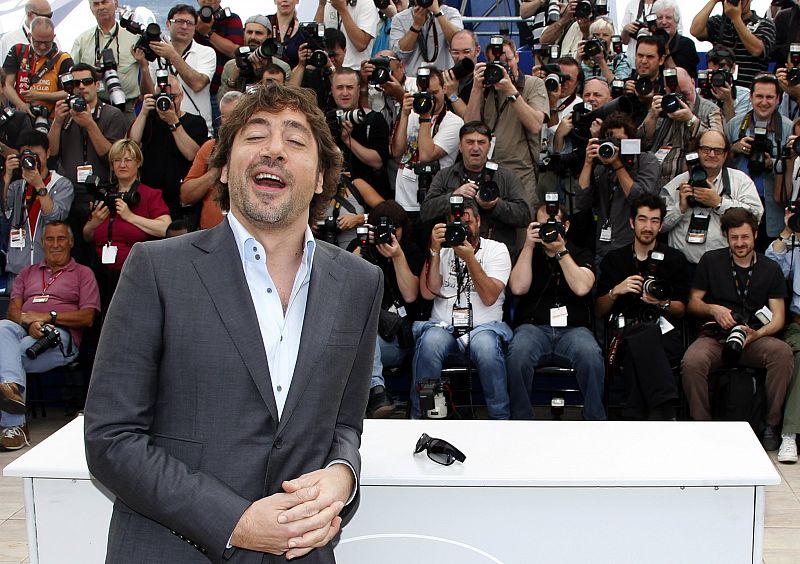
<point>496,190</point>
<point>51,302</point>
<point>742,292</point>
<point>124,213</point>
<point>384,242</point>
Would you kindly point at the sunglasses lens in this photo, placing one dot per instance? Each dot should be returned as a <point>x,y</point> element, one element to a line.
<point>422,443</point>
<point>440,452</point>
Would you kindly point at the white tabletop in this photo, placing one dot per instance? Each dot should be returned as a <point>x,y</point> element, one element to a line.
<point>513,453</point>
<point>568,453</point>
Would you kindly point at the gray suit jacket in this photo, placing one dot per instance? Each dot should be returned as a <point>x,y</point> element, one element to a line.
<point>181,420</point>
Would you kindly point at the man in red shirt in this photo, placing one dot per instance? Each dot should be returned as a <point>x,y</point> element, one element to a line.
<point>51,303</point>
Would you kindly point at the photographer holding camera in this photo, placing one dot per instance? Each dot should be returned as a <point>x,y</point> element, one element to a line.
<point>242,70</point>
<point>554,280</point>
<point>390,248</point>
<point>425,133</point>
<point>318,57</point>
<point>756,141</point>
<point>612,177</point>
<point>361,134</point>
<point>785,251</point>
<point>681,51</point>
<point>81,134</point>
<point>563,82</point>
<point>645,299</point>
<point>109,34</point>
<point>633,20</point>
<point>739,289</point>
<point>52,300</point>
<point>32,71</point>
<point>358,21</point>
<point>572,27</point>
<point>515,107</point>
<point>464,48</point>
<point>715,84</point>
<point>675,122</point>
<point>170,140</point>
<point>751,37</point>
<point>421,35</point>
<point>696,199</point>
<point>600,58</point>
<point>124,213</point>
<point>34,195</point>
<point>192,63</point>
<point>496,190</point>
<point>465,276</point>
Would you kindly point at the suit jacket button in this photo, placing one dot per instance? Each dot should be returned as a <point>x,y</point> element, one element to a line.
<point>278,443</point>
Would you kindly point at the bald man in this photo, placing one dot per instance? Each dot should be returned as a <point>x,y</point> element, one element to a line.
<point>22,34</point>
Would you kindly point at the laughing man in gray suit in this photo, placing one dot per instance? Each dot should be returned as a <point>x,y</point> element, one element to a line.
<point>226,404</point>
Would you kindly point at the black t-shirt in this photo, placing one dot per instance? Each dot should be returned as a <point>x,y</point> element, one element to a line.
<point>715,276</point>
<point>164,166</point>
<point>391,291</point>
<point>621,263</point>
<point>549,289</point>
<point>373,133</point>
<point>684,54</point>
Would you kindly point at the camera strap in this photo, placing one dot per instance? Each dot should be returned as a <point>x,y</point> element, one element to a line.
<point>437,121</point>
<point>743,291</point>
<point>276,29</point>
<point>173,72</point>
<point>112,216</point>
<point>85,137</point>
<point>52,58</point>
<point>422,42</point>
<point>98,53</point>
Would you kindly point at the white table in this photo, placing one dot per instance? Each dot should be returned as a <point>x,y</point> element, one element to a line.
<point>542,491</point>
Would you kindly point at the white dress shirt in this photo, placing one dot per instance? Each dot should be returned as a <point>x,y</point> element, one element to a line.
<point>280,333</point>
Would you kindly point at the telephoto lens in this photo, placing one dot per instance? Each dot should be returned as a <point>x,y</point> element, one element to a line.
<point>734,345</point>
<point>552,82</point>
<point>608,149</point>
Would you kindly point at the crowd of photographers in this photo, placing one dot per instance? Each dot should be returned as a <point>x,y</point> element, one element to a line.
<point>584,212</point>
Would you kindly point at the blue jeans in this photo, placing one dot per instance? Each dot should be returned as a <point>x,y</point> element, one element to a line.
<point>573,347</point>
<point>436,344</point>
<point>387,353</point>
<point>14,341</point>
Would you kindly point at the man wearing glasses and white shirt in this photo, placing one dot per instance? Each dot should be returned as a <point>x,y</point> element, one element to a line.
<point>182,56</point>
<point>693,213</point>
<point>22,34</point>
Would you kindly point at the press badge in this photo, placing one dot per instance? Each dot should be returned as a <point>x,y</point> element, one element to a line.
<point>698,228</point>
<point>462,321</point>
<point>84,172</point>
<point>17,238</point>
<point>605,232</point>
<point>408,172</point>
<point>109,254</point>
<point>662,153</point>
<point>43,299</point>
<point>558,316</point>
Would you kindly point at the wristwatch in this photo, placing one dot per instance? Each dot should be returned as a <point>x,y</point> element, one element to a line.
<point>561,254</point>
<point>513,98</point>
<point>53,316</point>
<point>41,192</point>
<point>438,14</point>
<point>174,126</point>
<point>454,98</point>
<point>433,253</point>
<point>665,307</point>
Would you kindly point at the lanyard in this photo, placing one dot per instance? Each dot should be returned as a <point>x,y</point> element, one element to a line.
<point>743,292</point>
<point>84,137</point>
<point>98,53</point>
<point>276,29</point>
<point>423,42</point>
<point>562,106</point>
<point>46,286</point>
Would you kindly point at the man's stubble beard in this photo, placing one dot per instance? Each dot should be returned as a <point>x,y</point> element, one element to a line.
<point>261,208</point>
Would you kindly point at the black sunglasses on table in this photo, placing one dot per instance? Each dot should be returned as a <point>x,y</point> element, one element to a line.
<point>440,451</point>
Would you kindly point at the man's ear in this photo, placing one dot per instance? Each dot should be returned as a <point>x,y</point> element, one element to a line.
<point>223,174</point>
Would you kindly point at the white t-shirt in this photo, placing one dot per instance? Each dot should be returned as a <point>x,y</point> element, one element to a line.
<point>496,263</point>
<point>446,137</point>
<point>204,60</point>
<point>365,14</point>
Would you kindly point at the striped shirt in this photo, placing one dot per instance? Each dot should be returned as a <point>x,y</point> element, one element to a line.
<point>721,31</point>
<point>231,29</point>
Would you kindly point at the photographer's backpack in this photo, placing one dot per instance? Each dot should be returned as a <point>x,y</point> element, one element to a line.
<point>738,394</point>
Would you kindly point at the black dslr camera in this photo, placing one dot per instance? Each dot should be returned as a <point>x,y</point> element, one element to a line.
<point>327,230</point>
<point>493,73</point>
<point>793,74</point>
<point>759,148</point>
<point>423,100</point>
<point>425,173</point>
<point>336,118</point>
<point>207,14</point>
<point>41,118</point>
<point>28,160</point>
<point>384,231</point>
<point>697,177</point>
<point>456,232</point>
<point>314,34</point>
<point>593,47</point>
<point>584,9</point>
<point>671,103</point>
<point>653,285</point>
<point>382,73</point>
<point>242,58</point>
<point>108,194</point>
<point>488,190</point>
<point>150,32</point>
<point>644,86</point>
<point>552,228</point>
<point>165,97</point>
<point>554,77</point>
<point>793,222</point>
<point>76,103</point>
<point>50,338</point>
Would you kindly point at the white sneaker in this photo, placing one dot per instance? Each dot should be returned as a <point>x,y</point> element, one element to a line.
<point>788,451</point>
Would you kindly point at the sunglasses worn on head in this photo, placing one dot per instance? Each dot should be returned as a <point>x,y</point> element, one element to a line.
<point>439,451</point>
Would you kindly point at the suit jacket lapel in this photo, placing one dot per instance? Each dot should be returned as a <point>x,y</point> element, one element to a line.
<point>221,272</point>
<point>326,276</point>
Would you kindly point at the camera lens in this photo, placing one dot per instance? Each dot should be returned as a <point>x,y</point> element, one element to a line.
<point>489,191</point>
<point>734,344</point>
<point>607,150</point>
<point>644,86</point>
<point>423,103</point>
<point>492,74</point>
